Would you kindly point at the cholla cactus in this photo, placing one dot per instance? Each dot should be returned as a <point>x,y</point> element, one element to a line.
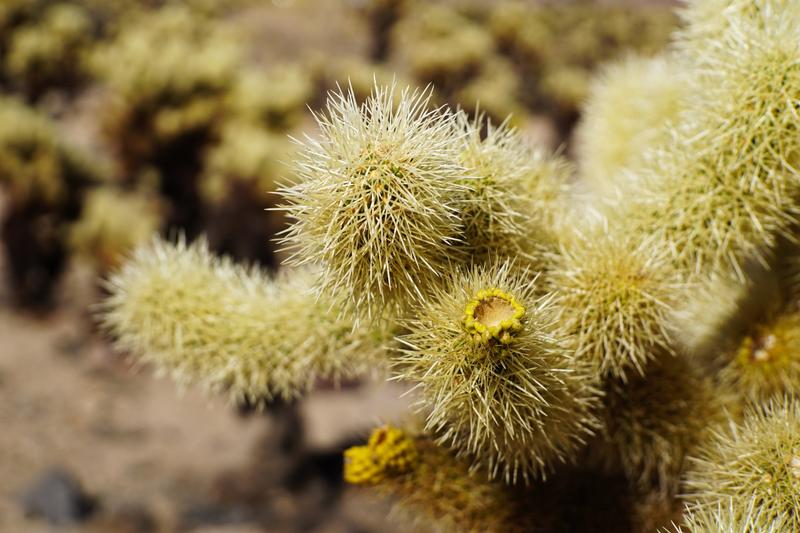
<point>35,165</point>
<point>378,198</point>
<point>617,298</point>
<point>50,52</point>
<point>754,464</point>
<point>276,98</point>
<point>586,32</point>
<point>206,320</point>
<point>248,157</point>
<point>169,71</point>
<point>725,184</point>
<point>113,223</point>
<point>651,92</point>
<point>530,319</point>
<point>44,180</point>
<point>495,377</point>
<point>495,91</point>
<point>439,45</point>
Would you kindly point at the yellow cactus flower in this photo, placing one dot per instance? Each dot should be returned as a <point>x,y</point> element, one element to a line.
<point>493,315</point>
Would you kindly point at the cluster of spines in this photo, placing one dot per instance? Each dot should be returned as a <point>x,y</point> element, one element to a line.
<point>393,194</point>
<point>755,463</point>
<point>206,320</point>
<point>495,220</point>
<point>377,200</point>
<point>723,188</point>
<point>512,398</point>
<point>616,298</point>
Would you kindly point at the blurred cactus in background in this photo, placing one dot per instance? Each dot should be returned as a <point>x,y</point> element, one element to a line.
<point>169,73</point>
<point>45,180</point>
<point>438,45</point>
<point>556,45</point>
<point>112,223</point>
<point>51,51</point>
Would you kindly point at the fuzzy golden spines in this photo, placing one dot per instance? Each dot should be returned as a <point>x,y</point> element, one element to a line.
<point>654,420</point>
<point>729,518</point>
<point>548,205</point>
<point>377,199</point>
<point>617,298</point>
<point>510,398</point>
<point>755,462</point>
<point>724,189</point>
<point>705,22</point>
<point>629,106</point>
<point>497,217</point>
<point>233,329</point>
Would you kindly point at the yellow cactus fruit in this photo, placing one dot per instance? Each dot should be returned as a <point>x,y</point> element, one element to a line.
<point>493,315</point>
<point>433,488</point>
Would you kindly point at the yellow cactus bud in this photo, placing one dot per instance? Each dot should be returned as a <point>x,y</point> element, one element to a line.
<point>388,452</point>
